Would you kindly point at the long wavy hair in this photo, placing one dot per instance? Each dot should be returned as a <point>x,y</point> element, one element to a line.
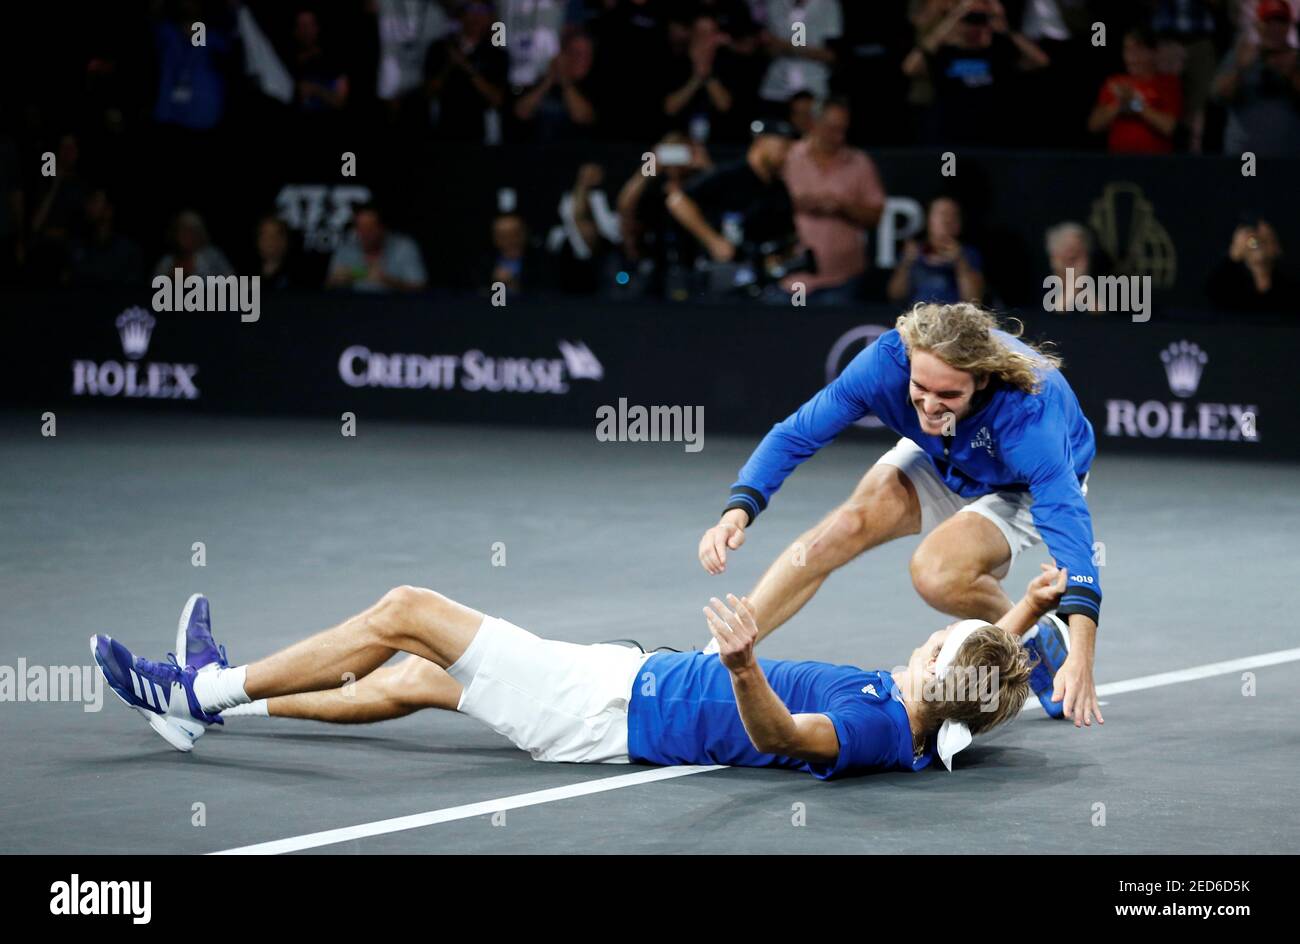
<point>961,335</point>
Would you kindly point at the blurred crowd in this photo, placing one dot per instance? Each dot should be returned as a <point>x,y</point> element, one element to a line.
<point>802,88</point>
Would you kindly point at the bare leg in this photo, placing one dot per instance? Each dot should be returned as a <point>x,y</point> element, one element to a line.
<point>953,568</point>
<point>883,507</point>
<point>407,619</point>
<point>391,691</point>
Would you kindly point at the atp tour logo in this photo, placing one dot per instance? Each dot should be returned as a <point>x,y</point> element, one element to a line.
<point>850,344</point>
<point>1184,364</point>
<point>473,370</point>
<point>134,377</point>
<point>321,212</point>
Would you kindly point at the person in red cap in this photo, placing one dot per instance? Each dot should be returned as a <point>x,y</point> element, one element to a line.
<point>1259,82</point>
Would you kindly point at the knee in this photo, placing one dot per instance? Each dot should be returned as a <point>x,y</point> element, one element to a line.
<point>937,581</point>
<point>399,606</point>
<point>404,597</point>
<point>848,528</point>
<point>409,683</point>
<point>876,513</point>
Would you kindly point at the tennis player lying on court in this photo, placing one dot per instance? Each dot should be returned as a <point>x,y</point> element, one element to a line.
<point>603,703</point>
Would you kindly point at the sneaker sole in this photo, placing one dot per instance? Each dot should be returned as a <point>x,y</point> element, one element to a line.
<point>182,642</point>
<point>169,731</point>
<point>163,726</point>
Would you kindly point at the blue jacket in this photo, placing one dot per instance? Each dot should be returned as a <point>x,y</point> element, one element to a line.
<point>1012,442</point>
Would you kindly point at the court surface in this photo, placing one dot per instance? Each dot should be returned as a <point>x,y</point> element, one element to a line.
<point>302,527</point>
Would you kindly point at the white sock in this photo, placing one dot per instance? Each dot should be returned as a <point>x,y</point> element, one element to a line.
<point>253,708</point>
<point>222,689</point>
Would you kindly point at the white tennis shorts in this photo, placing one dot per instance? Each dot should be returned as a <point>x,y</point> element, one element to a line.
<point>559,701</point>
<point>1009,511</point>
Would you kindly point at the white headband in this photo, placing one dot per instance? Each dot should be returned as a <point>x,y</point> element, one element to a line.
<point>954,736</point>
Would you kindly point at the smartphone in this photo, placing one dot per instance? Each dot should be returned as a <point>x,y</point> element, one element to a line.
<point>673,155</point>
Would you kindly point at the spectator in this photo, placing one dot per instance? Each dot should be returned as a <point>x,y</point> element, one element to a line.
<point>588,226</point>
<point>743,203</point>
<point>533,37</point>
<point>1251,278</point>
<point>805,67</point>
<point>407,28</point>
<point>191,251</point>
<point>467,80</point>
<point>60,214</point>
<point>1260,84</point>
<point>320,83</point>
<point>373,259</point>
<point>1138,109</point>
<point>1186,30</point>
<point>191,78</point>
<point>972,56</point>
<point>701,79</point>
<point>734,19</point>
<point>513,263</point>
<point>562,105</point>
<point>104,256</point>
<point>837,197</point>
<point>274,257</point>
<point>940,269</point>
<point>1069,253</point>
<point>644,222</point>
<point>1244,15</point>
<point>803,112</point>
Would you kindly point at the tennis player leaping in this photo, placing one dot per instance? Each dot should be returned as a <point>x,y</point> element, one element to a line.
<point>990,427</point>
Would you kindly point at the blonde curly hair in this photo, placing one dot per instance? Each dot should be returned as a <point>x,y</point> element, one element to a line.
<point>1002,666</point>
<point>961,335</point>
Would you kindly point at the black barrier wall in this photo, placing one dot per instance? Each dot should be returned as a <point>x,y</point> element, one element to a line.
<point>1167,217</point>
<point>1187,389</point>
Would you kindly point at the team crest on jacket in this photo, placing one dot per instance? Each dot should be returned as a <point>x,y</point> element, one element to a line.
<point>983,440</point>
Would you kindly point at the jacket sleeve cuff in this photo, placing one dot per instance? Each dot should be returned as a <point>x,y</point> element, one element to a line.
<point>1082,600</point>
<point>748,500</point>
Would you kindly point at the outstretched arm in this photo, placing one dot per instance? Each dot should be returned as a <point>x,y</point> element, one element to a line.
<point>1041,596</point>
<point>1061,515</point>
<point>789,443</point>
<point>772,729</point>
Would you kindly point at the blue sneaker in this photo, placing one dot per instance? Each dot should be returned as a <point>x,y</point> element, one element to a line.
<point>1049,641</point>
<point>162,692</point>
<point>195,646</point>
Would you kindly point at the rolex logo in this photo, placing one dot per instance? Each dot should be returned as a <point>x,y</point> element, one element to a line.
<point>134,327</point>
<point>1184,362</point>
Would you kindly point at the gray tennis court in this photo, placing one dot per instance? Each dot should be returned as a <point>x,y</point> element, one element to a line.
<point>301,526</point>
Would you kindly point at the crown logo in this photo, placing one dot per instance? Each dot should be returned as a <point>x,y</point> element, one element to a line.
<point>134,327</point>
<point>1184,362</point>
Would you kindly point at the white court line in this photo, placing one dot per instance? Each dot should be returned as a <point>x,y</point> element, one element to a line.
<point>1186,675</point>
<point>417,820</point>
<point>1199,672</point>
<point>589,787</point>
